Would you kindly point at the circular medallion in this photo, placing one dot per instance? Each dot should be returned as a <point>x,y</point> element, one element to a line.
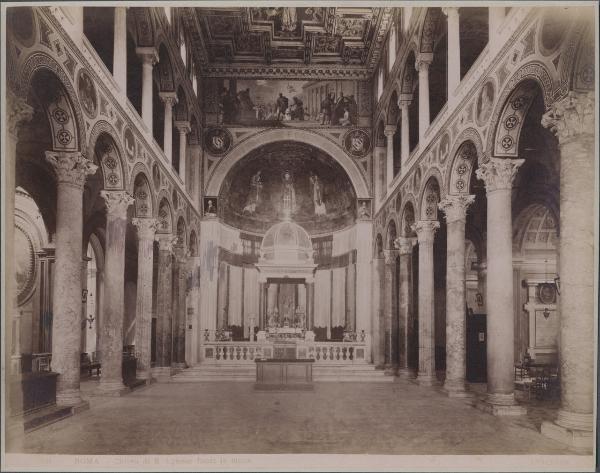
<point>507,142</point>
<point>60,115</point>
<point>511,121</point>
<point>64,137</point>
<point>217,141</point>
<point>87,94</point>
<point>113,179</point>
<point>357,142</point>
<point>547,293</point>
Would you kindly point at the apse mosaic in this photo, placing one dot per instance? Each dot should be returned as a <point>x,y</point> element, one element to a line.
<point>264,102</point>
<point>288,180</point>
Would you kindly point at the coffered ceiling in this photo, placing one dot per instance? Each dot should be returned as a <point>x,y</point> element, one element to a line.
<point>299,42</point>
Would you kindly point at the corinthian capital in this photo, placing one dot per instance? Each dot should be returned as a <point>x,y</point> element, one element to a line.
<point>183,127</point>
<point>571,116</point>
<point>168,98</point>
<point>425,230</point>
<point>71,167</point>
<point>455,206</point>
<point>166,241</point>
<point>18,111</point>
<point>148,55</point>
<point>146,227</point>
<point>390,256</point>
<point>117,202</point>
<point>404,245</point>
<point>423,61</point>
<point>499,173</point>
<point>389,130</point>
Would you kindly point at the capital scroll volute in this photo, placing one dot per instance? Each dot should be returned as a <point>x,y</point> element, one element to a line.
<point>146,227</point>
<point>571,116</point>
<point>71,167</point>
<point>455,206</point>
<point>117,202</point>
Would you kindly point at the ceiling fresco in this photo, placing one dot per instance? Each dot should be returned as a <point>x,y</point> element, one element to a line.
<point>288,176</point>
<point>226,39</point>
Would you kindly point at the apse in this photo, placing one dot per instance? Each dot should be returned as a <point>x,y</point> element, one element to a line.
<point>307,180</point>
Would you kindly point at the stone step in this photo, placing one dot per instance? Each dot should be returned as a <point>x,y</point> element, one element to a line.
<point>45,416</point>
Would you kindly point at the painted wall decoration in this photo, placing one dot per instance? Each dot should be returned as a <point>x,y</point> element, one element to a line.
<point>129,142</point>
<point>484,103</point>
<point>217,141</point>
<point>365,210</point>
<point>357,143</point>
<point>87,94</point>
<point>288,180</point>
<point>280,103</point>
<point>210,206</point>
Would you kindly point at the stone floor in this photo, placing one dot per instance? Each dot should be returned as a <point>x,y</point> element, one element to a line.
<point>212,418</point>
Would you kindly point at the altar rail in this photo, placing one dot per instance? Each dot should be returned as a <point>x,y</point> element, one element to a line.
<point>341,353</point>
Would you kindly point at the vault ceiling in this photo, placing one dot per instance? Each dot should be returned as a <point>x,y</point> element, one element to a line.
<point>300,42</point>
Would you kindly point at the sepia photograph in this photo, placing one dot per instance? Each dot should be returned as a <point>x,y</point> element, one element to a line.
<point>294,236</point>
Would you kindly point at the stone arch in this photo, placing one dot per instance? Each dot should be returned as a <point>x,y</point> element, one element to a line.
<point>533,72</point>
<point>98,249</point>
<point>64,111</point>
<point>535,221</point>
<point>222,168</point>
<point>165,71</point>
<point>391,233</point>
<point>104,135</point>
<point>181,230</point>
<point>431,195</point>
<point>466,151</point>
<point>142,192</point>
<point>165,215</point>
<point>408,217</point>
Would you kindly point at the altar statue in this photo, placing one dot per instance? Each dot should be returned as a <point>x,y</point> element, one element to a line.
<point>288,195</point>
<point>318,195</point>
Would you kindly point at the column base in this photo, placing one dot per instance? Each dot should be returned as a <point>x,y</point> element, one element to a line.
<point>390,370</point>
<point>426,380</point>
<point>405,373</point>
<point>68,397</point>
<point>580,439</point>
<point>501,405</point>
<point>178,366</point>
<point>144,374</point>
<point>111,388</point>
<point>456,391</point>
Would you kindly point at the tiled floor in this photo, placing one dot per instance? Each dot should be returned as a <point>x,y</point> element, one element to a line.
<point>395,418</point>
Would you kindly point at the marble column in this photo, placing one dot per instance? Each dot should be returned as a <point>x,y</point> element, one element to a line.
<point>183,128</point>
<point>379,172</point>
<point>120,49</point>
<point>453,65</point>
<point>377,320</point>
<point>180,310</point>
<point>18,112</point>
<point>164,306</point>
<point>364,252</point>
<point>192,300</point>
<point>498,175</point>
<point>404,103</point>
<point>146,229</point>
<point>422,65</point>
<point>572,121</point>
<point>71,170</point>
<point>425,230</point>
<point>389,310</point>
<point>455,210</point>
<point>495,19</point>
<point>261,305</point>
<point>209,272</point>
<point>149,58</point>
<point>169,99</point>
<point>405,247</point>
<point>111,330</point>
<point>389,131</point>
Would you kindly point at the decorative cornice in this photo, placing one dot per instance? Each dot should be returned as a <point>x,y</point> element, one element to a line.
<point>498,173</point>
<point>571,117</point>
<point>71,167</point>
<point>117,202</point>
<point>425,230</point>
<point>18,111</point>
<point>146,228</point>
<point>455,207</point>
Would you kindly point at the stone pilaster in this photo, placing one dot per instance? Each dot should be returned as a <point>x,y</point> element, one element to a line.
<point>71,170</point>
<point>425,230</point>
<point>389,131</point>
<point>111,327</point>
<point>377,320</point>
<point>149,58</point>
<point>169,99</point>
<point>498,175</point>
<point>455,209</point>
<point>164,306</point>
<point>404,247</point>
<point>146,229</point>
<point>390,313</point>
<point>572,120</point>
<point>422,64</point>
